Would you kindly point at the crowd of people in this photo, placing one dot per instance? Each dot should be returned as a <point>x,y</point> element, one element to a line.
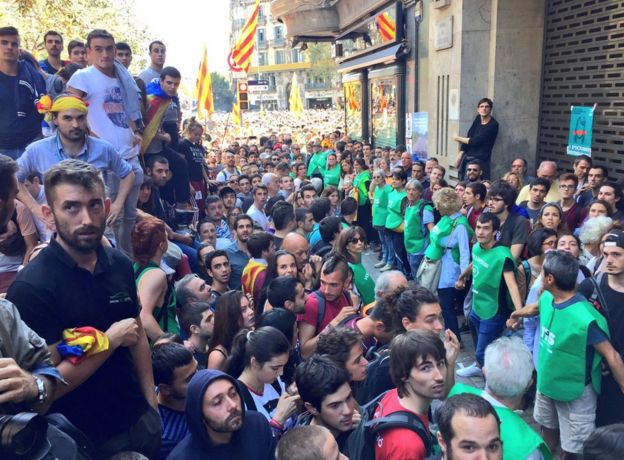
<point>170,293</point>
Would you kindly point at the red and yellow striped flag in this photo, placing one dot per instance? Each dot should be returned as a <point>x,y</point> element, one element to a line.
<point>240,56</point>
<point>203,88</point>
<point>386,27</point>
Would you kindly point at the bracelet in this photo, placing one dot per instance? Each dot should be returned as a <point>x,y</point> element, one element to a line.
<point>276,424</point>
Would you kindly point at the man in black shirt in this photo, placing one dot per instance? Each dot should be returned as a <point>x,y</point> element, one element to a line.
<point>21,86</point>
<point>609,298</point>
<point>514,229</point>
<point>77,282</point>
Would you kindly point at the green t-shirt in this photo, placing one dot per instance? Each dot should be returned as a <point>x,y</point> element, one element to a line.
<point>363,282</point>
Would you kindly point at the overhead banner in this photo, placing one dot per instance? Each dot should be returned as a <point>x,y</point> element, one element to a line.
<point>420,133</point>
<point>580,137</point>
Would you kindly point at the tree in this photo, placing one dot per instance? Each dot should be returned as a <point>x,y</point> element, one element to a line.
<point>323,65</point>
<point>222,93</point>
<point>74,19</point>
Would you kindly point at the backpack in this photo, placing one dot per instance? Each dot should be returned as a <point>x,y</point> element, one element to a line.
<point>250,404</point>
<point>320,300</point>
<point>360,444</point>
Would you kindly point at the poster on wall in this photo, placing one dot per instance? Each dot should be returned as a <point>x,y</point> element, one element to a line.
<point>408,125</point>
<point>420,133</point>
<point>580,136</point>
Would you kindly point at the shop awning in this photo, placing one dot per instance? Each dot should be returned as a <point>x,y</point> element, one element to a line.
<point>386,55</point>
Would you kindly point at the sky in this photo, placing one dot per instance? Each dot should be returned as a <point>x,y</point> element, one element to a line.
<point>186,26</point>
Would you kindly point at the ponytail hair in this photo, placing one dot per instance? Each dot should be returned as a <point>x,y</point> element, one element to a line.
<point>263,344</point>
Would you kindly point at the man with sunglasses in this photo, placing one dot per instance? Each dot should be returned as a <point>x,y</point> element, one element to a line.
<point>606,292</point>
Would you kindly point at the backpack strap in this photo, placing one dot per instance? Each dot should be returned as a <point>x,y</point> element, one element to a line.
<point>320,311</point>
<point>276,386</point>
<point>247,398</point>
<point>402,419</point>
<point>598,295</point>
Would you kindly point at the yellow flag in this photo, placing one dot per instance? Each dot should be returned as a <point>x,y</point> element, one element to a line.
<point>294,99</point>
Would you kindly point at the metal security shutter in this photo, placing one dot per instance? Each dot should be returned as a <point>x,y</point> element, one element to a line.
<point>583,65</point>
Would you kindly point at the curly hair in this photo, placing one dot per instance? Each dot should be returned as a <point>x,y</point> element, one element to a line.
<point>593,229</point>
<point>447,201</point>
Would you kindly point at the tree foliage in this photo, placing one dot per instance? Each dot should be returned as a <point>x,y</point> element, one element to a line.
<point>323,65</point>
<point>74,19</point>
<point>221,92</point>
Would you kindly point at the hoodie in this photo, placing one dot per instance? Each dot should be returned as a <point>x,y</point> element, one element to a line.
<point>253,441</point>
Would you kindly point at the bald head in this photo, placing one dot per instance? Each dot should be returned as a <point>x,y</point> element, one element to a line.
<point>547,170</point>
<point>388,282</point>
<point>298,246</point>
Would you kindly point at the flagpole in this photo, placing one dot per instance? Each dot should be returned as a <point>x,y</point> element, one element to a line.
<point>227,123</point>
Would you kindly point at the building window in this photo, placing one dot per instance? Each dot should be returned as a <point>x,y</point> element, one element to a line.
<point>262,59</point>
<point>261,12</point>
<point>272,81</point>
<point>260,35</point>
<point>279,57</point>
<point>296,56</point>
<point>279,35</point>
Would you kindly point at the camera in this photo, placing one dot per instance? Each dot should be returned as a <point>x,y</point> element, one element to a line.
<point>23,436</point>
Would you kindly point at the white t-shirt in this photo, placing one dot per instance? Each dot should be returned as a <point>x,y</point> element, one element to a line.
<point>259,217</point>
<point>266,403</point>
<point>107,117</point>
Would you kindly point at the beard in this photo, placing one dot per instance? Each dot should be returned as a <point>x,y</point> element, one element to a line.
<point>86,239</point>
<point>233,423</point>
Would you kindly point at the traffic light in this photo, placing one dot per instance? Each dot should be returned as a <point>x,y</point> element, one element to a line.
<point>243,96</point>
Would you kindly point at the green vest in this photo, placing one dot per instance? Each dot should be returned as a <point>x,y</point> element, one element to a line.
<point>563,348</point>
<point>413,235</point>
<point>519,439</point>
<point>168,321</point>
<point>363,282</point>
<point>487,271</point>
<point>444,228</point>
<point>395,218</point>
<point>380,205</point>
<point>318,160</point>
<point>332,176</point>
<point>359,182</point>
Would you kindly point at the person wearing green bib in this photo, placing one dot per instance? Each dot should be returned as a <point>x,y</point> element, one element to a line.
<point>332,171</point>
<point>154,290</point>
<point>394,220</point>
<point>419,221</point>
<point>317,163</point>
<point>361,185</point>
<point>494,288</point>
<point>351,242</point>
<point>379,191</point>
<point>574,343</point>
<point>449,243</point>
<point>508,369</point>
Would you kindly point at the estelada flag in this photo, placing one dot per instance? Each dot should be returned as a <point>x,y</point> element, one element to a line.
<point>203,87</point>
<point>240,56</point>
<point>386,27</point>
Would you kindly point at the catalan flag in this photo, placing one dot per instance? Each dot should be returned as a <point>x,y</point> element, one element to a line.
<point>203,88</point>
<point>386,27</point>
<point>240,56</point>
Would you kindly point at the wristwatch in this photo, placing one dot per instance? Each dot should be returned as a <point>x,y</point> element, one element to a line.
<point>41,389</point>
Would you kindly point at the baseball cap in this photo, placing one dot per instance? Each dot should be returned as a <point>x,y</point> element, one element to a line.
<point>614,238</point>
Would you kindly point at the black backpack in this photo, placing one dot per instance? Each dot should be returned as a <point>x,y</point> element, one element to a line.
<point>360,444</point>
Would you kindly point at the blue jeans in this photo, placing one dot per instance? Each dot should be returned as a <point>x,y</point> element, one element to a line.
<point>414,261</point>
<point>387,250</point>
<point>398,244</point>
<point>488,330</point>
<point>447,298</point>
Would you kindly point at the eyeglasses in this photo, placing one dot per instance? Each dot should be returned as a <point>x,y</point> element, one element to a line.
<point>566,186</point>
<point>356,240</point>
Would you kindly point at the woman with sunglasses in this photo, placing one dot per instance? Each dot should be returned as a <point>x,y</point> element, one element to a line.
<point>234,311</point>
<point>351,243</point>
